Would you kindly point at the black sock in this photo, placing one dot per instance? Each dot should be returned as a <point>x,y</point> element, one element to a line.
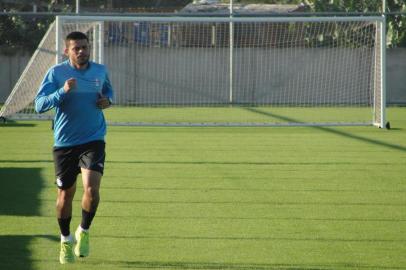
<point>87,218</point>
<point>64,224</point>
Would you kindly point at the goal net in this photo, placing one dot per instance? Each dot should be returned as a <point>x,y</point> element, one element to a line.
<point>191,71</point>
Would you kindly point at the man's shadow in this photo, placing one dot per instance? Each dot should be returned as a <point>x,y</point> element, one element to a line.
<point>20,190</point>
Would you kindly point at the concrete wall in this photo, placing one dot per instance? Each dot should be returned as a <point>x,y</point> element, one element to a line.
<point>260,76</point>
<point>139,75</point>
<point>396,76</point>
<point>10,69</point>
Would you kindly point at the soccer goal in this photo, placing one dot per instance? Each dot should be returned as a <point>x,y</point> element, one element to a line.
<point>171,70</point>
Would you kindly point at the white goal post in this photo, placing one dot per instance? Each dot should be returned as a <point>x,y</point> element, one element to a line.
<point>284,70</point>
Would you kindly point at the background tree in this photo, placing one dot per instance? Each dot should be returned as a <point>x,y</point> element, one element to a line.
<point>21,32</point>
<point>396,24</point>
<point>25,32</point>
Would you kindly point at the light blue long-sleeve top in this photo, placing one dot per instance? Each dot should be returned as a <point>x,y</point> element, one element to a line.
<point>77,118</point>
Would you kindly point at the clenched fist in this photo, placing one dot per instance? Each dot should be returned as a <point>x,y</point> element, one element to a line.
<point>69,85</point>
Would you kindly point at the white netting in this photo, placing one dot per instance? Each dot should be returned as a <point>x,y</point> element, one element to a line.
<point>23,93</point>
<point>309,63</point>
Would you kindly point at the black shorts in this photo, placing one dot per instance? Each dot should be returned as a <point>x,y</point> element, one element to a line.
<point>69,160</point>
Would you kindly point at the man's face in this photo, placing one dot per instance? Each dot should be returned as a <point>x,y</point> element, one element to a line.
<point>78,52</point>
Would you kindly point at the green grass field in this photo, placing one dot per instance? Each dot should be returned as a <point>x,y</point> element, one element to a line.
<point>238,114</point>
<point>217,198</point>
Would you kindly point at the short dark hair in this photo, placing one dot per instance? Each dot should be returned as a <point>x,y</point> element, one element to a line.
<point>76,36</point>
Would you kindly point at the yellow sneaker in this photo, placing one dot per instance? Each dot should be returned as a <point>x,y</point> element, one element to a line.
<point>66,253</point>
<point>82,243</point>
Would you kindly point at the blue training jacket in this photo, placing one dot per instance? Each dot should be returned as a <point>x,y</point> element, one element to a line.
<point>77,118</point>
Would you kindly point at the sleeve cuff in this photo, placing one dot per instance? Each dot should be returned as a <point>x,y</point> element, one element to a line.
<point>61,92</point>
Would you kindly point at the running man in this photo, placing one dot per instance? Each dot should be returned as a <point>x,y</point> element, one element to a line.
<point>79,90</point>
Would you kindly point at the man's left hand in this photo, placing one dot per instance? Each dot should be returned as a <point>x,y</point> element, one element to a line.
<point>103,102</point>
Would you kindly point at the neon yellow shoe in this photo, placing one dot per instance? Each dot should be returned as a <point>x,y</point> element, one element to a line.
<point>66,254</point>
<point>82,243</point>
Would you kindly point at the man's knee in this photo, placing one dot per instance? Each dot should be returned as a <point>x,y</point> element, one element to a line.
<point>92,192</point>
<point>66,195</point>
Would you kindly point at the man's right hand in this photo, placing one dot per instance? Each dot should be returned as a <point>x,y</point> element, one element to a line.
<point>69,85</point>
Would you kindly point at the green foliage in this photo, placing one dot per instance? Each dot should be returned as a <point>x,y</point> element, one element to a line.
<point>397,24</point>
<point>18,32</point>
<point>280,2</point>
<point>346,5</point>
<point>396,29</point>
<point>25,32</point>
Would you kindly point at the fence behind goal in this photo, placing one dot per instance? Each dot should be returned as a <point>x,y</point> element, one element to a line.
<point>191,71</point>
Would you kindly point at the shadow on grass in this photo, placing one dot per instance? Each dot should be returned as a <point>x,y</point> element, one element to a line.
<point>19,196</point>
<point>263,239</point>
<point>269,203</point>
<point>19,191</point>
<point>10,123</point>
<point>231,163</point>
<point>239,266</point>
<point>333,131</point>
<point>26,161</point>
<point>258,218</point>
<point>15,253</point>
